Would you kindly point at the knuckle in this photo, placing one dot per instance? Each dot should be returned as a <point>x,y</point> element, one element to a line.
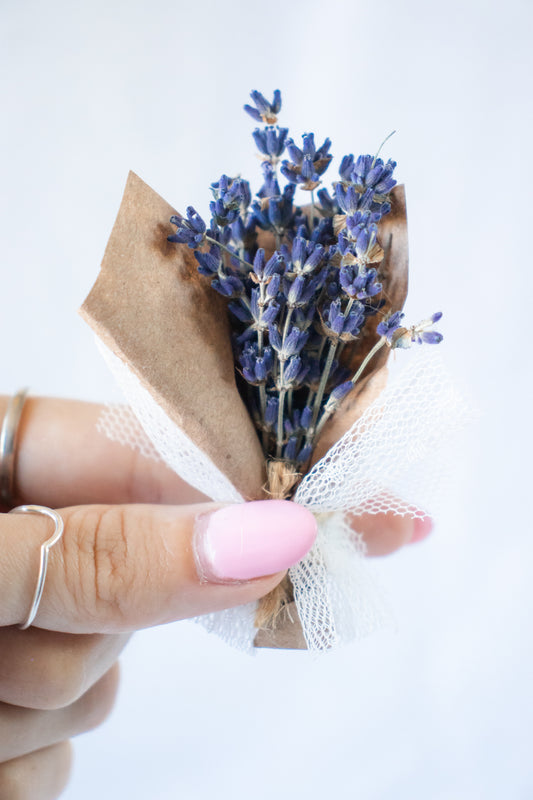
<point>96,705</point>
<point>41,670</point>
<point>103,574</point>
<point>61,681</point>
<point>50,767</point>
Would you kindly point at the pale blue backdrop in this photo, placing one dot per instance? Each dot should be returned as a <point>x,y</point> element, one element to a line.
<point>441,709</point>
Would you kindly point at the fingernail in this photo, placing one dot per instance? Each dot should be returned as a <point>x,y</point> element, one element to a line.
<point>248,540</point>
<point>421,529</point>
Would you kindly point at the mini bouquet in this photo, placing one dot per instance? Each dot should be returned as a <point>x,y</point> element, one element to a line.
<point>253,348</point>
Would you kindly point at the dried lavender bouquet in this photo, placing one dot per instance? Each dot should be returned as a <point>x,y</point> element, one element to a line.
<point>300,305</point>
<point>285,315</point>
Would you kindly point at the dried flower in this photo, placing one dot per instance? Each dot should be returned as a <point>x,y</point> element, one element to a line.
<point>296,306</point>
<point>264,111</point>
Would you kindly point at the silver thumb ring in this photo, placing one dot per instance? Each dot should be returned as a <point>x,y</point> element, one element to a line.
<point>45,547</point>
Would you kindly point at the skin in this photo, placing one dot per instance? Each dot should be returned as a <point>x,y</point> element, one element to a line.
<point>59,678</point>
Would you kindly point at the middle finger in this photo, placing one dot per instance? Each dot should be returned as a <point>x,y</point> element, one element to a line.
<point>45,670</point>
<point>24,730</point>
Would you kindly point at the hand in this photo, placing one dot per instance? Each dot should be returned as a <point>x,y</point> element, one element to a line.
<point>126,563</point>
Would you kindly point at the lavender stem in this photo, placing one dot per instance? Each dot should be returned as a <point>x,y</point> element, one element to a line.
<point>321,389</point>
<point>328,412</point>
<point>231,253</point>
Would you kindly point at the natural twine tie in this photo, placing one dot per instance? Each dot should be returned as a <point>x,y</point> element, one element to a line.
<point>281,482</point>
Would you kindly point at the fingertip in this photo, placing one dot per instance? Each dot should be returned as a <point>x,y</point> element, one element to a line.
<point>422,528</point>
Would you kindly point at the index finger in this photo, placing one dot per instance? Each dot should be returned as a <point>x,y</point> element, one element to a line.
<point>63,459</point>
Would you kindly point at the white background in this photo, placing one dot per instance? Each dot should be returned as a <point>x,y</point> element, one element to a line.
<point>440,710</point>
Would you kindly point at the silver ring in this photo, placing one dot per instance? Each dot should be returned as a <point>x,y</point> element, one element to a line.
<point>8,446</point>
<point>55,537</point>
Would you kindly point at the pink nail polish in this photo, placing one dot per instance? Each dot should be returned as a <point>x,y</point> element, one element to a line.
<point>421,529</point>
<point>248,540</point>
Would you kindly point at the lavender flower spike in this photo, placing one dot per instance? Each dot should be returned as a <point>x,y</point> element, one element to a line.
<point>264,111</point>
<point>191,231</point>
<point>389,325</point>
<point>420,333</point>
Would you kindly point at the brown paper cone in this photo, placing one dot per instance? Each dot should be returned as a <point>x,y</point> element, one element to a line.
<point>151,307</point>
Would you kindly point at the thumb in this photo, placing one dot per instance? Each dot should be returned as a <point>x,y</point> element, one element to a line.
<point>120,568</point>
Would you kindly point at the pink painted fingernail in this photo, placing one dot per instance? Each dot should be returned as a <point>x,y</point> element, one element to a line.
<point>248,540</point>
<point>421,529</point>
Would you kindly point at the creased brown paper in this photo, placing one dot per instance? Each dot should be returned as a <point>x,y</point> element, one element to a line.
<point>153,309</point>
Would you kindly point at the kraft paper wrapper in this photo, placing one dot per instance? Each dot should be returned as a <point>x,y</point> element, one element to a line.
<point>153,309</point>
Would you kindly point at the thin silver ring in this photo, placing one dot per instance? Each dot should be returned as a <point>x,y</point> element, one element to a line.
<point>43,564</point>
<point>8,446</point>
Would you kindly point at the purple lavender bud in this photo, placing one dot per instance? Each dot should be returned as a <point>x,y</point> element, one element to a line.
<point>272,288</point>
<point>327,203</point>
<point>305,453</point>
<point>276,140</point>
<point>347,198</point>
<point>289,451</point>
<point>436,317</point>
<point>431,337</point>
<point>260,140</point>
<point>259,216</point>
<point>365,200</point>
<point>347,278</point>
<point>355,320</point>
<point>229,286</point>
<point>275,211</point>
<point>314,258</point>
<point>238,230</point>
<point>309,148</point>
<point>264,111</point>
<point>190,231</point>
<point>270,186</point>
<point>306,417</point>
<point>292,369</point>
<point>274,265</point>
<point>340,391</point>
<point>209,263</point>
<point>390,324</point>
<point>308,171</point>
<point>289,172</point>
<point>294,342</point>
<point>346,168</point>
<point>261,369</point>
<point>335,317</point>
<point>274,337</point>
<point>323,152</point>
<point>294,152</point>
<point>253,112</point>
<point>363,239</point>
<point>270,313</point>
<point>361,169</point>
<point>295,290</point>
<point>271,411</point>
<point>263,106</point>
<point>299,252</point>
<point>259,263</point>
